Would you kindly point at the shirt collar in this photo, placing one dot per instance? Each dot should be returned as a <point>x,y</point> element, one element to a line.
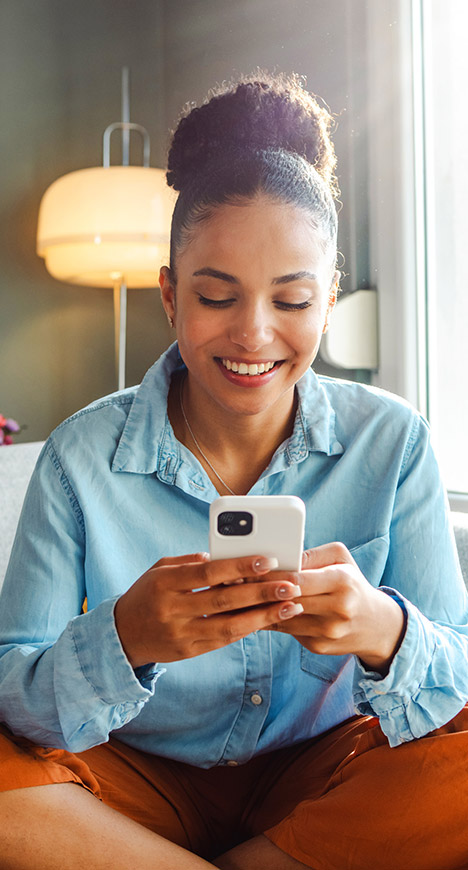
<point>147,434</point>
<point>317,415</point>
<point>148,443</point>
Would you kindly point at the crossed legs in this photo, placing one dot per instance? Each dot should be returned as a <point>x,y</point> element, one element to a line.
<point>344,800</point>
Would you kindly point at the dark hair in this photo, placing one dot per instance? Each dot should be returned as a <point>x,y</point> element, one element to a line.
<point>264,134</point>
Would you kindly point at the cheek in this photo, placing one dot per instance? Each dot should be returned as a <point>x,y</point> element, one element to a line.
<point>194,330</point>
<point>309,331</point>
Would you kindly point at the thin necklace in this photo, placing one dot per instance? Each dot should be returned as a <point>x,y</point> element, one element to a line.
<point>197,444</point>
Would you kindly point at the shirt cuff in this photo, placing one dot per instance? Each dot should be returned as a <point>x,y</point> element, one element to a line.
<point>103,661</point>
<point>389,697</point>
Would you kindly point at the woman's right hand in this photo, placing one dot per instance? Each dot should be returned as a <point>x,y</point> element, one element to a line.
<point>162,619</point>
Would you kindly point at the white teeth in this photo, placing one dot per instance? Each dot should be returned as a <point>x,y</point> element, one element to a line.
<point>248,369</point>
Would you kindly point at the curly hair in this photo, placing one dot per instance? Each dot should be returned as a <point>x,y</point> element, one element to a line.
<point>262,133</point>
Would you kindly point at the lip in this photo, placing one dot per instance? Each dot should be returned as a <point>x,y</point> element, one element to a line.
<point>248,380</point>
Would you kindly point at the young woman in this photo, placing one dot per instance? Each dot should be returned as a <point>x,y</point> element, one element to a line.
<point>228,714</point>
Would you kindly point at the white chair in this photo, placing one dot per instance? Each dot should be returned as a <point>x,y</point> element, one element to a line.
<point>17,462</point>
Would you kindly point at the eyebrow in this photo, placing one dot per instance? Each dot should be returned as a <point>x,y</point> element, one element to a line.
<point>230,279</point>
<point>295,276</point>
<point>215,273</point>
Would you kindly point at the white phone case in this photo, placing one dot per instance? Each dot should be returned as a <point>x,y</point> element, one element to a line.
<point>277,528</point>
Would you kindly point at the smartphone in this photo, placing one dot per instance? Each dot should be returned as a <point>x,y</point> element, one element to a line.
<point>258,525</point>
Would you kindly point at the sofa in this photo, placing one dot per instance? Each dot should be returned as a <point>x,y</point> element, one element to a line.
<point>16,465</point>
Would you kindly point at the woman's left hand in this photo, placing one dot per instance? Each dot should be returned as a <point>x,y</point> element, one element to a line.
<point>343,613</point>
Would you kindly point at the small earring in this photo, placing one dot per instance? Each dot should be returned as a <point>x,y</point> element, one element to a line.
<point>170,321</point>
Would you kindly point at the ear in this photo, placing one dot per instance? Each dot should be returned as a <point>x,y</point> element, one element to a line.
<point>332,297</point>
<point>168,300</point>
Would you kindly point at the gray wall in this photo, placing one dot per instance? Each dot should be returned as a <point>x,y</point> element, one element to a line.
<point>60,87</point>
<point>325,40</point>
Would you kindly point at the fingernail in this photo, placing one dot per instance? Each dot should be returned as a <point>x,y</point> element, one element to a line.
<point>233,582</point>
<point>265,563</point>
<point>288,591</point>
<point>290,610</point>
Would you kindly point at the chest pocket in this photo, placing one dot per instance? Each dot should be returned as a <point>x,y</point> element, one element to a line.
<point>371,558</point>
<point>325,668</point>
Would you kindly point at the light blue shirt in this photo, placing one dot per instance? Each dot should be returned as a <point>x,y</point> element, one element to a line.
<point>114,491</point>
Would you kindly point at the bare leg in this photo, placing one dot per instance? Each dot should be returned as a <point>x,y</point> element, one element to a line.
<point>63,827</point>
<point>258,854</point>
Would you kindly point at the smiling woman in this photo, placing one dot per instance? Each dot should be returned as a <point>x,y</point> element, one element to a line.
<point>237,714</point>
<point>253,290</point>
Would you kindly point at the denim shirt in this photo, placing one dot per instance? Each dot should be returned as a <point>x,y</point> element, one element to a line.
<point>114,491</point>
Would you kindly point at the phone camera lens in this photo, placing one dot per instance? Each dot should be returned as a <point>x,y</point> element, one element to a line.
<point>235,523</point>
<point>226,530</point>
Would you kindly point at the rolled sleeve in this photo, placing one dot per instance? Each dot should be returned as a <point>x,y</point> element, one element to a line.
<point>101,657</point>
<point>96,688</point>
<point>422,690</point>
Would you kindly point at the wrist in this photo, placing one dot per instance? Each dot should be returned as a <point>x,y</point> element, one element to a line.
<point>389,625</point>
<point>128,635</point>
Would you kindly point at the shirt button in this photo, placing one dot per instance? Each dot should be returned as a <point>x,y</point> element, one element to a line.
<point>256,699</point>
<point>232,763</point>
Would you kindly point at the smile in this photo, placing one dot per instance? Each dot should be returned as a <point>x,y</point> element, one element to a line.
<point>247,368</point>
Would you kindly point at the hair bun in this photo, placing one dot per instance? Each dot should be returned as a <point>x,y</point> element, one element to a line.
<point>257,113</point>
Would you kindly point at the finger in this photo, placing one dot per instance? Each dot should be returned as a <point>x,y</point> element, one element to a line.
<point>181,560</point>
<point>222,599</point>
<point>333,582</point>
<point>283,576</point>
<point>327,554</point>
<point>262,564</point>
<point>314,582</point>
<point>220,630</point>
<point>302,625</point>
<point>199,575</point>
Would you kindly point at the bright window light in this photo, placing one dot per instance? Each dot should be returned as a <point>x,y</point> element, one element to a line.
<point>445,72</point>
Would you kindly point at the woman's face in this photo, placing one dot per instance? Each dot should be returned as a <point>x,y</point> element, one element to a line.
<point>254,292</point>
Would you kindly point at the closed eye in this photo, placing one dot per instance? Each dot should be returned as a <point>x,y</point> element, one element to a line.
<point>214,303</point>
<point>292,306</point>
<point>225,303</point>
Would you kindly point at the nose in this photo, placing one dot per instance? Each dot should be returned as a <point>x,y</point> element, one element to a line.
<point>251,328</point>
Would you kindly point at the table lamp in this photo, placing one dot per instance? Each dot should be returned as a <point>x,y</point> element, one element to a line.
<point>109,226</point>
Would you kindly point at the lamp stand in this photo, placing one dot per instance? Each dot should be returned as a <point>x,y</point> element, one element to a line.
<point>120,331</point>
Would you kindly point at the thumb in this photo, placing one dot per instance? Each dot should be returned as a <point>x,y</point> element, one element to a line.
<point>325,555</point>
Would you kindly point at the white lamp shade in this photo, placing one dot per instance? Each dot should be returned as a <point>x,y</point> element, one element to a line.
<point>105,224</point>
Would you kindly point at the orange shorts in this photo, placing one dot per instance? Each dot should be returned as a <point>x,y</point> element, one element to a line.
<point>343,801</point>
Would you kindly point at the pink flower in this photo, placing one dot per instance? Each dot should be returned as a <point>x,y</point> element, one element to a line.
<point>8,427</point>
<point>11,425</point>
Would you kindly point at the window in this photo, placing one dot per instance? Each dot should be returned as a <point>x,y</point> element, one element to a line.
<point>418,239</point>
<point>444,58</point>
